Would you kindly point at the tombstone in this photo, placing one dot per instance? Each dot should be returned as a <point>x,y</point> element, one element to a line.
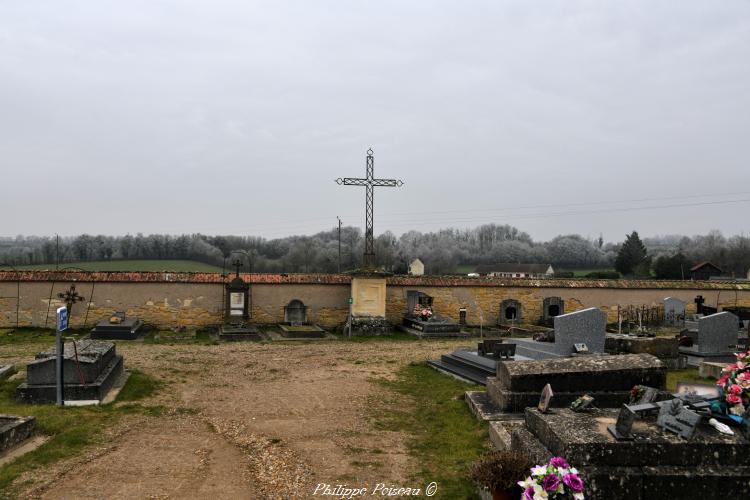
<point>674,311</point>
<point>421,320</point>
<point>652,464</point>
<point>117,327</point>
<point>14,430</point>
<point>551,307</point>
<point>511,312</point>
<point>90,369</point>
<point>295,313</point>
<point>237,312</point>
<point>715,340</point>
<point>608,379</point>
<point>587,326</point>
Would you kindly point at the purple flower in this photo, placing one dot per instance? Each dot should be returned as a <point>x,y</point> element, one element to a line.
<point>550,482</point>
<point>528,494</point>
<point>559,462</point>
<point>573,482</point>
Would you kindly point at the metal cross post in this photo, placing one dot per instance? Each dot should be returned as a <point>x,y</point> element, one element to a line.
<point>369,182</point>
<point>238,264</point>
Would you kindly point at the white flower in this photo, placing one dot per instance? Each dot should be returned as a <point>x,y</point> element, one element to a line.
<point>573,470</point>
<point>539,470</point>
<point>578,496</point>
<point>737,409</point>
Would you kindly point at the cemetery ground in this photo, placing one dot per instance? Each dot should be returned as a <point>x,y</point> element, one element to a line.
<point>251,420</point>
<point>254,420</point>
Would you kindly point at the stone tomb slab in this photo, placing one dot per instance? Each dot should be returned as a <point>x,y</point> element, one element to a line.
<point>608,379</point>
<point>655,464</point>
<point>99,364</point>
<point>14,430</point>
<point>126,329</point>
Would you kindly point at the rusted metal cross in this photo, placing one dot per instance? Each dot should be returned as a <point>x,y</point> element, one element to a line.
<point>70,297</point>
<point>369,182</point>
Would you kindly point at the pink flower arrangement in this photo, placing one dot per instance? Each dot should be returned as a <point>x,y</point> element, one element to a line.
<point>734,384</point>
<point>556,479</point>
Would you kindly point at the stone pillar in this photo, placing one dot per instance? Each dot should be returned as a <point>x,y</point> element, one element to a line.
<point>368,304</point>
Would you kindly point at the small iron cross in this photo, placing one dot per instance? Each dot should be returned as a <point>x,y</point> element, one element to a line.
<point>238,264</point>
<point>370,182</point>
<point>70,297</point>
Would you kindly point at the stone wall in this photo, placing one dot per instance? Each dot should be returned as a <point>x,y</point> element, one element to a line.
<point>195,299</point>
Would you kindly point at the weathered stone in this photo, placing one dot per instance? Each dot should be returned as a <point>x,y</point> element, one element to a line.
<point>594,373</point>
<point>14,430</point>
<point>708,369</point>
<point>608,379</point>
<point>717,333</point>
<point>96,362</point>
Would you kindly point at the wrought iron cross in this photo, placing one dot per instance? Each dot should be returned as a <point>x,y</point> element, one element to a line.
<point>70,297</point>
<point>238,264</point>
<point>369,182</point>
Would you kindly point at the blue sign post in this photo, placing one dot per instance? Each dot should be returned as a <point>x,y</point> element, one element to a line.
<point>62,325</point>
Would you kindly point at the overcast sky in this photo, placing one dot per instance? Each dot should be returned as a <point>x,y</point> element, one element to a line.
<point>236,116</point>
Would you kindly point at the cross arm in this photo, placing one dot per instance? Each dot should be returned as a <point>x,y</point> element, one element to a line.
<point>351,181</point>
<point>388,182</point>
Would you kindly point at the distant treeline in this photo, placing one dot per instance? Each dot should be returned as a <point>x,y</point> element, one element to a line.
<point>443,252</point>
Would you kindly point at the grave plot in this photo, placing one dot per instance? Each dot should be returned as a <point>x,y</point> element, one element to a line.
<point>476,365</point>
<point>576,332</point>
<point>90,369</point>
<point>236,325</point>
<point>609,379</point>
<point>421,320</point>
<point>296,325</point>
<point>118,327</point>
<point>714,340</point>
<point>652,463</point>
<point>664,348</point>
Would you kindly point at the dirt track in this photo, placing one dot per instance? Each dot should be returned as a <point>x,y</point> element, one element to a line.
<point>248,421</point>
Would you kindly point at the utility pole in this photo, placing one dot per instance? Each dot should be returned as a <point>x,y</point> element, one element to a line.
<point>339,219</point>
<point>57,252</point>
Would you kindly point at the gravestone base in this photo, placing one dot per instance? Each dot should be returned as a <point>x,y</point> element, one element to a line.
<point>302,331</point>
<point>608,379</point>
<point>14,430</point>
<point>239,333</point>
<point>695,357</point>
<point>655,464</point>
<point>97,389</point>
<point>708,369</point>
<point>371,325</point>
<point>664,348</point>
<point>432,326</point>
<point>467,364</point>
<point>128,329</point>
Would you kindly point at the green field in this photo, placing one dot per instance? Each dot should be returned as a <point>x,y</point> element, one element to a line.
<point>132,265</point>
<point>580,273</point>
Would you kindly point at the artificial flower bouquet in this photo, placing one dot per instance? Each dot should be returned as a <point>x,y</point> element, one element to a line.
<point>734,386</point>
<point>425,314</point>
<point>557,479</point>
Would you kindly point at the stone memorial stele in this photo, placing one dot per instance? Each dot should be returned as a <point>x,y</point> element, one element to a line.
<point>623,425</point>
<point>545,399</point>
<point>674,311</point>
<point>674,417</point>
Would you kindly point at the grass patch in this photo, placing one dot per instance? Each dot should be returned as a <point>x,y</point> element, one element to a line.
<point>70,428</point>
<point>686,375</point>
<point>445,436</point>
<point>395,336</point>
<point>35,335</point>
<point>133,265</point>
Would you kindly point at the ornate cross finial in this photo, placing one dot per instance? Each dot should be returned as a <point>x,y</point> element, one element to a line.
<point>369,182</point>
<point>70,297</point>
